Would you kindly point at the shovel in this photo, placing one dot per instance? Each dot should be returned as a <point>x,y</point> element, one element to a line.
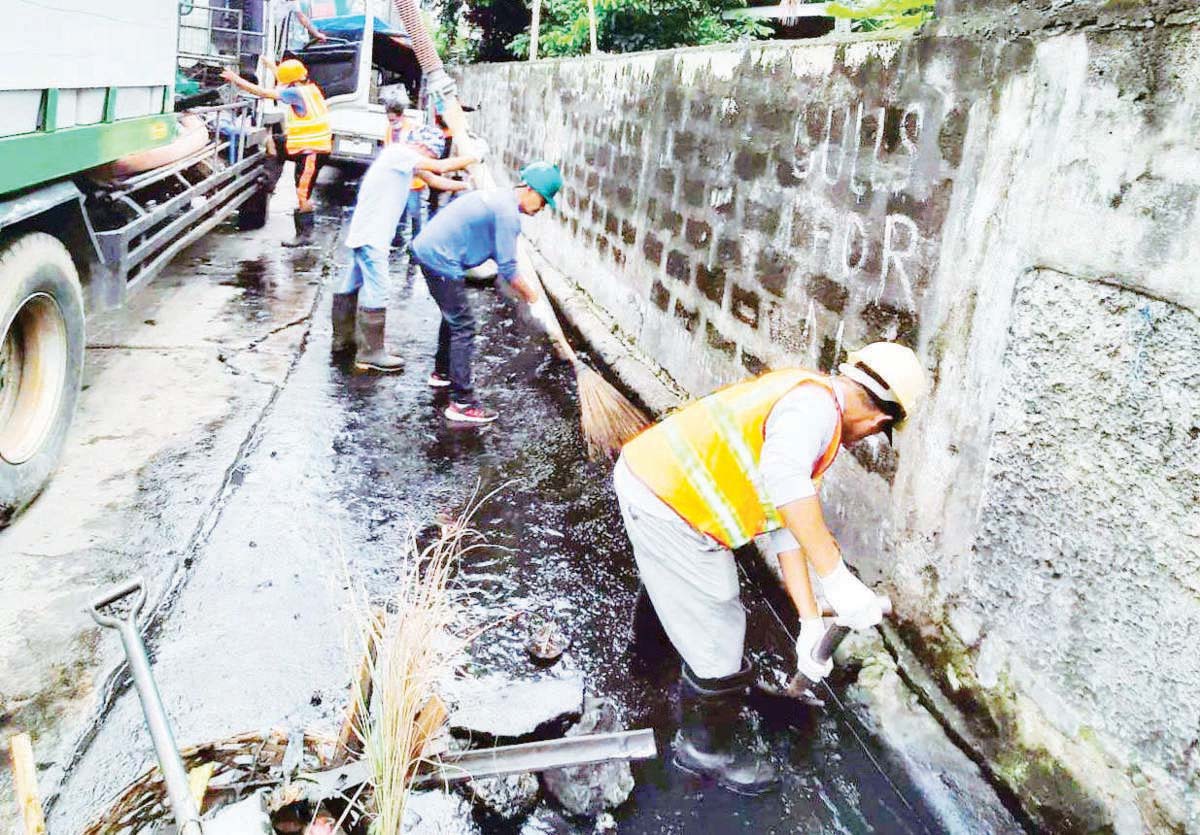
<point>183,807</point>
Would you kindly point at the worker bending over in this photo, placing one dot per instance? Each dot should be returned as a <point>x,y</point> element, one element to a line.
<point>360,301</point>
<point>744,461</point>
<point>476,227</point>
<point>308,138</point>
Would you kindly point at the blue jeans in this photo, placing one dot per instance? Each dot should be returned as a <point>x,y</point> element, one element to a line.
<point>412,216</point>
<point>368,274</point>
<point>456,336</point>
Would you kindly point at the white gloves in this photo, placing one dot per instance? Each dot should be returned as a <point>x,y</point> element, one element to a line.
<point>856,605</point>
<point>811,632</point>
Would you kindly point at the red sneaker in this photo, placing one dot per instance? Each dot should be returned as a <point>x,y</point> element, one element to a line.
<point>438,381</point>
<point>469,413</point>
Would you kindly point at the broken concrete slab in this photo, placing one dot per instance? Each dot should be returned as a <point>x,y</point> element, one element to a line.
<point>591,789</point>
<point>499,707</point>
<point>505,799</point>
<point>437,811</point>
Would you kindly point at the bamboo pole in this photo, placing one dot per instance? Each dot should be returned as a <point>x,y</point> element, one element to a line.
<point>25,784</point>
<point>535,27</point>
<point>592,24</point>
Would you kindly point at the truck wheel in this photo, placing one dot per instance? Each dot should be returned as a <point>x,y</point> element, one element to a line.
<point>253,213</point>
<point>41,363</point>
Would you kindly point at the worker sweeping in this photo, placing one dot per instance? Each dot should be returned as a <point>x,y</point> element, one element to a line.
<point>360,300</point>
<point>744,461</point>
<point>307,138</point>
<point>479,226</point>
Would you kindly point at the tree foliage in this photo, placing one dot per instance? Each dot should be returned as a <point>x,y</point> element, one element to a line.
<point>634,25</point>
<point>498,30</point>
<point>870,15</point>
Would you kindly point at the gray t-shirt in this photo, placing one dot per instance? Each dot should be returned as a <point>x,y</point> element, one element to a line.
<point>382,196</point>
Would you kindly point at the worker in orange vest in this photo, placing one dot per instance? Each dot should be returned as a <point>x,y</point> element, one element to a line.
<point>745,461</point>
<point>307,137</point>
<point>429,142</point>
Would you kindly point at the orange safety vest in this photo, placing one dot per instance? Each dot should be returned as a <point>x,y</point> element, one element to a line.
<point>310,132</point>
<point>703,460</point>
<point>399,134</point>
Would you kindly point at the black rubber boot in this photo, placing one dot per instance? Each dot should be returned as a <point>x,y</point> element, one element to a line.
<point>649,639</point>
<point>305,223</point>
<point>371,354</point>
<point>345,308</point>
<point>715,740</point>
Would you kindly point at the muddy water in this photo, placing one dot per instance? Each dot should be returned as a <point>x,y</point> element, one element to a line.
<point>342,470</point>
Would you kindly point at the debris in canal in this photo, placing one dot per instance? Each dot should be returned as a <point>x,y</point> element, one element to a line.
<point>592,789</point>
<point>498,707</point>
<point>548,642</point>
<point>414,652</point>
<point>240,763</point>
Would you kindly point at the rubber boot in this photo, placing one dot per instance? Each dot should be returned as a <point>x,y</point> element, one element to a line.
<point>305,223</point>
<point>715,740</point>
<point>345,308</point>
<point>371,354</point>
<point>649,639</point>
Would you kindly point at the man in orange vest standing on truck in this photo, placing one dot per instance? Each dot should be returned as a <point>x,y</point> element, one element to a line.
<point>710,477</point>
<point>307,136</point>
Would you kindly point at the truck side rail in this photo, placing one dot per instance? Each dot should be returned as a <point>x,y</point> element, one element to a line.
<point>134,251</point>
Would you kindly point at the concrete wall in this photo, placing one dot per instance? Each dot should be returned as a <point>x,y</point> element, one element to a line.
<point>1015,196</point>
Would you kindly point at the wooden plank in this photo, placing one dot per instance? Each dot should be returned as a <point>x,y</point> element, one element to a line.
<point>25,788</point>
<point>349,744</point>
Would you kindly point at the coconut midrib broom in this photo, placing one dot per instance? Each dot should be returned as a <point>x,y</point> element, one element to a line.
<point>606,416</point>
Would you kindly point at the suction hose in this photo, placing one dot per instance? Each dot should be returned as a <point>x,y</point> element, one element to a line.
<point>436,78</point>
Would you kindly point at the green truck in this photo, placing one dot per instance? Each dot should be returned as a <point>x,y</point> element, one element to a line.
<point>105,176</point>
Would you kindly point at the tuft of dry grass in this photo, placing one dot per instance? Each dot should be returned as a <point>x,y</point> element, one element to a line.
<point>397,708</point>
<point>607,418</point>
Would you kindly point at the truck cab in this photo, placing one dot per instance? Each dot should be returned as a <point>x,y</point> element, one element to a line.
<point>366,49</point>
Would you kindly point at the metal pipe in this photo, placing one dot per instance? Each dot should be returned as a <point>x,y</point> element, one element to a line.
<point>541,756</point>
<point>460,766</point>
<point>183,807</point>
<point>535,29</point>
<point>835,634</point>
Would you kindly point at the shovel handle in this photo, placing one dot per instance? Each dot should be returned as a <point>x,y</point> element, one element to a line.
<point>138,585</point>
<point>835,634</point>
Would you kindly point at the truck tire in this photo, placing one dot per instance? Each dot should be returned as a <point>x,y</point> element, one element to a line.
<point>253,213</point>
<point>41,363</point>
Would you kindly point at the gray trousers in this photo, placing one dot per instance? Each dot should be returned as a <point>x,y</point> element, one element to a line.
<point>690,578</point>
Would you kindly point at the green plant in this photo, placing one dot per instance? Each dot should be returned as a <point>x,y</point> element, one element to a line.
<point>635,25</point>
<point>873,15</point>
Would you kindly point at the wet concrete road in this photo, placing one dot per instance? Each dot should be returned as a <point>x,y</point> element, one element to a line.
<point>271,468</point>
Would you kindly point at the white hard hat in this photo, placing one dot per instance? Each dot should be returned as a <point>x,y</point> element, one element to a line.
<point>892,373</point>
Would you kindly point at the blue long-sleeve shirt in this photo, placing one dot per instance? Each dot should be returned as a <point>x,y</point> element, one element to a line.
<point>475,227</point>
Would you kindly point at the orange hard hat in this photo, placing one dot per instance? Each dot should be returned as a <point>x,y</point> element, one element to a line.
<point>290,71</point>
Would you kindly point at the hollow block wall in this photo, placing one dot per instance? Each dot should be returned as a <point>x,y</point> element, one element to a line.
<point>1014,194</point>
